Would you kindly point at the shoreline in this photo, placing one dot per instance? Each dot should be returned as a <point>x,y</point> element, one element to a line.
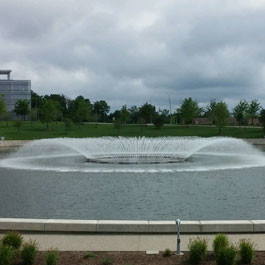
<point>129,235</point>
<point>13,143</point>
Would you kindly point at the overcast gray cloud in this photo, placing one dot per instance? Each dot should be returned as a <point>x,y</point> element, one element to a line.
<point>129,52</point>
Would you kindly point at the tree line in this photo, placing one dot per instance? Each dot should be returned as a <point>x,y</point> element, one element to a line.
<point>57,107</point>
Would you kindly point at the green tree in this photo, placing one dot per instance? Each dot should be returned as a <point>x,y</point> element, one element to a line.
<point>115,115</point>
<point>22,108</point>
<point>147,112</point>
<point>134,114</point>
<point>253,109</point>
<point>36,100</point>
<point>240,112</point>
<point>210,109</point>
<point>101,109</point>
<point>221,114</point>
<point>3,109</point>
<point>82,111</point>
<point>124,114</point>
<point>167,117</point>
<point>189,110</point>
<point>47,112</point>
<point>262,119</point>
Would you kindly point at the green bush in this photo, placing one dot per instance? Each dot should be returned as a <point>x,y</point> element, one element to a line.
<point>51,257</point>
<point>28,252</point>
<point>107,261</point>
<point>220,241</point>
<point>7,254</point>
<point>226,256</point>
<point>159,121</point>
<point>197,251</point>
<point>12,239</point>
<point>246,251</point>
<point>167,253</point>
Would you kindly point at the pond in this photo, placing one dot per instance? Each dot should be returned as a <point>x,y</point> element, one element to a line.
<point>223,180</point>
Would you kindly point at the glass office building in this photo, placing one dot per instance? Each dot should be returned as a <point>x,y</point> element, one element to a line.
<point>14,90</point>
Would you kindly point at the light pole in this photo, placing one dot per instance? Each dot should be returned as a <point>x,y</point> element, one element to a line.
<point>178,252</point>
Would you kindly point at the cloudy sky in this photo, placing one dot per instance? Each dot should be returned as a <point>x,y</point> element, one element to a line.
<point>133,51</point>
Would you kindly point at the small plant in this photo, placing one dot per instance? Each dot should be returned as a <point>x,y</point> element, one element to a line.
<point>226,256</point>
<point>220,241</point>
<point>197,251</point>
<point>107,261</point>
<point>167,253</point>
<point>246,251</point>
<point>28,252</point>
<point>51,257</point>
<point>12,239</point>
<point>89,255</point>
<point>7,254</point>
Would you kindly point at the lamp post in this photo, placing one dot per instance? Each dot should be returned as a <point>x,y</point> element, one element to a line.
<point>178,252</point>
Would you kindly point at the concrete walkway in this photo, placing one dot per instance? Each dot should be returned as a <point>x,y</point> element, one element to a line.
<point>127,242</point>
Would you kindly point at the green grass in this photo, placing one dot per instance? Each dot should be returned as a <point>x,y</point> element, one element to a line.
<point>38,130</point>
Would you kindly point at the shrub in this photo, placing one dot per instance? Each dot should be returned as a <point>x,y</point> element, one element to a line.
<point>220,241</point>
<point>226,256</point>
<point>197,251</point>
<point>89,255</point>
<point>7,254</point>
<point>51,257</point>
<point>12,239</point>
<point>28,252</point>
<point>159,121</point>
<point>167,252</point>
<point>107,261</point>
<point>246,251</point>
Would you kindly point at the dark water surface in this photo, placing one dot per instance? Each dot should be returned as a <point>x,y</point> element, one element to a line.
<point>222,194</point>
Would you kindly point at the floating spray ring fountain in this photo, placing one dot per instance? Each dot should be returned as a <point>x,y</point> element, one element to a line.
<point>135,154</point>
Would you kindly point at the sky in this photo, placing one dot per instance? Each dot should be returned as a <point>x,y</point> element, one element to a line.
<point>137,51</point>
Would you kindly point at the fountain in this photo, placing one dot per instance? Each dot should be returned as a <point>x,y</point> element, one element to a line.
<point>121,154</point>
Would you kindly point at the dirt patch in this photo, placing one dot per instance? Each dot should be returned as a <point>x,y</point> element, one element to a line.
<point>13,143</point>
<point>130,258</point>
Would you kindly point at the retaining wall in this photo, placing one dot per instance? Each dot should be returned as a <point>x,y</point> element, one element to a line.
<point>119,235</point>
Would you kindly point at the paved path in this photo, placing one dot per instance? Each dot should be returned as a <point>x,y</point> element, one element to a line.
<point>109,242</point>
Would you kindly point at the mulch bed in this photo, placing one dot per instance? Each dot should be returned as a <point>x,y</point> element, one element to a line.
<point>130,258</point>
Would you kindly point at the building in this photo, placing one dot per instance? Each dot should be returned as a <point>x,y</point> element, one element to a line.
<point>202,121</point>
<point>254,122</point>
<point>14,90</point>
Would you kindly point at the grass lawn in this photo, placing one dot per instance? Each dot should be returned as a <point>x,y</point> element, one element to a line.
<point>38,130</point>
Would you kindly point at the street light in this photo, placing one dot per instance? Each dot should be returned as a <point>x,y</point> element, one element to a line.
<point>178,252</point>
